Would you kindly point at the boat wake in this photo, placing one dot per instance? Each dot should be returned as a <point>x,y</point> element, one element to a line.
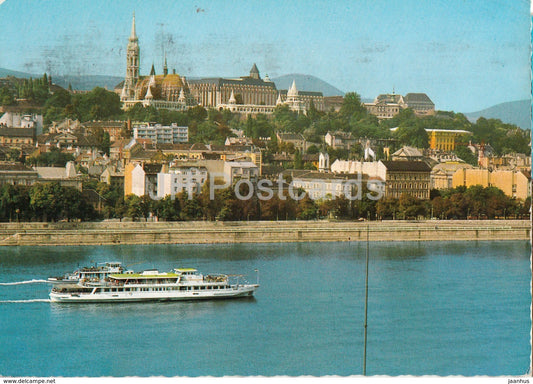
<point>26,301</point>
<point>26,282</point>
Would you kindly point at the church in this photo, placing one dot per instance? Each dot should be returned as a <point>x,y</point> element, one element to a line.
<point>168,91</point>
<point>246,95</point>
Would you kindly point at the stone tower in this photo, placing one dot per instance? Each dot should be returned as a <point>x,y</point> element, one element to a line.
<point>133,62</point>
<point>254,72</point>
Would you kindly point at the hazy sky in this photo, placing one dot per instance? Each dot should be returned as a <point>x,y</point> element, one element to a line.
<point>465,54</point>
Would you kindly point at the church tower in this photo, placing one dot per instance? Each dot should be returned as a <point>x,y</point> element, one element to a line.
<point>133,63</point>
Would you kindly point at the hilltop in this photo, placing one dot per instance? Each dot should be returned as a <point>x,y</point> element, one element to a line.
<point>512,112</point>
<point>307,83</point>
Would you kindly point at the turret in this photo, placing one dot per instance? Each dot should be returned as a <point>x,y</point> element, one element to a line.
<point>254,72</point>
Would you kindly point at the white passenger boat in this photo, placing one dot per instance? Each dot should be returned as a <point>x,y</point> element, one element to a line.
<point>152,285</point>
<point>98,272</point>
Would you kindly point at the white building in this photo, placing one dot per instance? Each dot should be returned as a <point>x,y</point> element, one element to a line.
<point>370,168</point>
<point>143,180</point>
<point>161,134</point>
<point>179,179</point>
<point>237,170</point>
<point>19,120</point>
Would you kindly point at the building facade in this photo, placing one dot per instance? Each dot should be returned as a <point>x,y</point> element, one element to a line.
<point>513,183</point>
<point>409,177</point>
<point>386,106</point>
<point>181,178</point>
<point>161,134</point>
<point>445,139</point>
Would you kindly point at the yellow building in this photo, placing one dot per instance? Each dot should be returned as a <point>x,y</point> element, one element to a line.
<point>442,174</point>
<point>444,139</point>
<point>512,183</point>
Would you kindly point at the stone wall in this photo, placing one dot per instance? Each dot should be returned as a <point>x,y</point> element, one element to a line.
<point>97,233</point>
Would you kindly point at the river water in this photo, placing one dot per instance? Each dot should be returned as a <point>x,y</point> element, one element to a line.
<point>435,308</point>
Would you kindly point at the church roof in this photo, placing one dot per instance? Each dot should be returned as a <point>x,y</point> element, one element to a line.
<point>172,80</point>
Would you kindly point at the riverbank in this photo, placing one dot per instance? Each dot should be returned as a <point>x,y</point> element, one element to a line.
<point>201,232</point>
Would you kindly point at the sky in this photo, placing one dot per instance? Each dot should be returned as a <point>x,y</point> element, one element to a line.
<point>465,54</point>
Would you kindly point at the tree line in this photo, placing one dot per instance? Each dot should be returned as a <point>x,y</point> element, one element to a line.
<point>52,202</point>
<point>213,126</point>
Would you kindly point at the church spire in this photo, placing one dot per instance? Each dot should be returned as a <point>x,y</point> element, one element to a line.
<point>133,60</point>
<point>133,36</point>
<point>165,68</point>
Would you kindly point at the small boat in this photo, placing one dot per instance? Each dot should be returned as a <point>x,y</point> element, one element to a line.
<point>152,285</point>
<point>99,272</point>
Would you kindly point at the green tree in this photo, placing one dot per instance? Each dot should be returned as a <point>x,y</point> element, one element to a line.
<point>45,200</point>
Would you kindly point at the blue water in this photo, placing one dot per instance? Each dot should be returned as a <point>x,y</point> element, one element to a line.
<point>435,308</point>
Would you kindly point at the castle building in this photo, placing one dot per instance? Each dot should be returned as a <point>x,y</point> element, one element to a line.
<point>386,106</point>
<point>246,95</point>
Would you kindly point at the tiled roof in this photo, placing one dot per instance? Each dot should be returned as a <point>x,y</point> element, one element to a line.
<point>291,136</point>
<point>417,98</point>
<point>406,166</point>
<point>14,167</point>
<point>104,124</point>
<point>17,132</point>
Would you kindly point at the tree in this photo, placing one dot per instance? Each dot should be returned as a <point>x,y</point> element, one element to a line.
<point>168,208</point>
<point>466,155</point>
<point>45,200</point>
<point>145,206</point>
<point>413,135</point>
<point>73,206</point>
<point>7,97</point>
<point>133,206</point>
<point>97,104</point>
<point>352,105</point>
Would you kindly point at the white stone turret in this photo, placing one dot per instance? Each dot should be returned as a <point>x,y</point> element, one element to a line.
<point>293,91</point>
<point>323,162</point>
<point>181,97</point>
<point>232,99</point>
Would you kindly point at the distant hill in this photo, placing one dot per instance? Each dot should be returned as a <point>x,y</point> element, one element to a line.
<point>23,75</point>
<point>307,83</point>
<point>78,82</point>
<point>88,82</point>
<point>512,112</point>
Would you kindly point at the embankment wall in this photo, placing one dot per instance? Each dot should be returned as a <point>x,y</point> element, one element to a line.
<point>108,232</point>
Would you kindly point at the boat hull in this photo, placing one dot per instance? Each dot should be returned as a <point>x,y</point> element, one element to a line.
<point>124,297</point>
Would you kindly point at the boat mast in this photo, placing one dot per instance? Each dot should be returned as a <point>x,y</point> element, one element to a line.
<point>366,305</point>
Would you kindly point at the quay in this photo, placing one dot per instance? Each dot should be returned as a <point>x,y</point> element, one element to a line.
<point>204,232</point>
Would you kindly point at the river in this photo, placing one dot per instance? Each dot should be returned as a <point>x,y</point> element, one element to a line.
<point>435,308</point>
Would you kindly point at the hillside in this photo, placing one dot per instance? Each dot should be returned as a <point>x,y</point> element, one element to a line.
<point>78,82</point>
<point>512,112</point>
<point>307,83</point>
<point>87,83</point>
